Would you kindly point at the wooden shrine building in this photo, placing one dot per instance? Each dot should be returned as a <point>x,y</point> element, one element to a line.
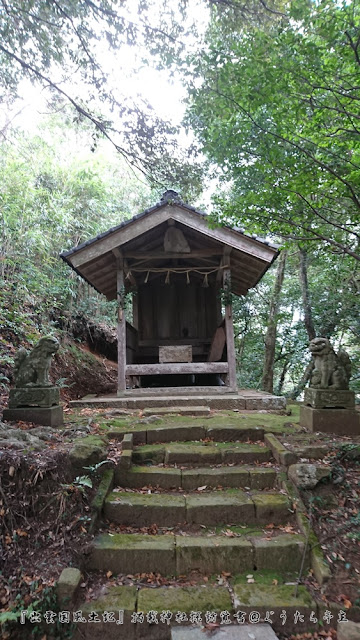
<point>180,273</point>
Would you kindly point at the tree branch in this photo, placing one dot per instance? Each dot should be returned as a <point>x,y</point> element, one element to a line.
<point>293,144</point>
<point>319,215</point>
<point>354,46</point>
<point>129,158</point>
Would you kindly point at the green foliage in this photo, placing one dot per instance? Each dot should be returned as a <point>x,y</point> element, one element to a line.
<point>82,481</point>
<point>9,616</point>
<point>48,202</point>
<point>274,105</point>
<point>276,108</point>
<point>95,467</point>
<point>40,35</point>
<point>334,309</point>
<point>10,620</point>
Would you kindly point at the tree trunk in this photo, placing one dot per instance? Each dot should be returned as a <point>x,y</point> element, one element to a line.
<point>282,377</point>
<point>267,382</point>
<point>308,321</point>
<point>303,381</point>
<point>309,325</point>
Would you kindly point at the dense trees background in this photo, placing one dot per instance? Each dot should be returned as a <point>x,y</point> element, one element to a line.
<point>274,106</point>
<point>278,109</point>
<point>55,193</point>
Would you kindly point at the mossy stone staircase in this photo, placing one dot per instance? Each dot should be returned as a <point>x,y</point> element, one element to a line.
<point>202,505</point>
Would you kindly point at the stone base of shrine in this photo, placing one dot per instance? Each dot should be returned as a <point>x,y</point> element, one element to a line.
<point>344,422</point>
<point>46,416</point>
<point>173,398</point>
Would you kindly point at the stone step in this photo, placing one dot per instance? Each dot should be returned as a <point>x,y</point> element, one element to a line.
<point>166,613</point>
<point>248,400</point>
<point>179,391</point>
<point>228,632</point>
<point>195,453</point>
<point>190,479</point>
<point>236,477</point>
<point>207,508</point>
<point>172,555</point>
<point>201,410</point>
<point>180,612</point>
<point>151,433</point>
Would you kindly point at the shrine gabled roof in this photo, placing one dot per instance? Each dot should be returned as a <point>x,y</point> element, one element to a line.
<point>95,260</point>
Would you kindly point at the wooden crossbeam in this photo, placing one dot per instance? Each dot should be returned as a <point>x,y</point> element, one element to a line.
<point>162,255</point>
<point>176,368</point>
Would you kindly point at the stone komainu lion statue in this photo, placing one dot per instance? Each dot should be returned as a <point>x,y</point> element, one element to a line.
<point>32,368</point>
<point>331,370</point>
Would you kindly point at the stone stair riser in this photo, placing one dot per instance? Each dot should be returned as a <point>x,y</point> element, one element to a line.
<point>185,433</point>
<point>139,477</point>
<point>133,554</point>
<point>243,598</point>
<point>232,555</point>
<point>206,457</point>
<point>145,515</point>
<point>210,509</point>
<point>170,478</point>
<point>233,434</point>
<point>230,456</point>
<point>156,601</point>
<point>180,434</point>
<point>178,555</point>
<point>219,513</point>
<point>222,477</point>
<point>228,402</point>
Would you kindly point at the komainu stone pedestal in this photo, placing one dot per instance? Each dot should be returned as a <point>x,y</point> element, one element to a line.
<point>40,405</point>
<point>34,397</point>
<point>330,411</point>
<point>344,422</point>
<point>46,416</point>
<point>329,398</point>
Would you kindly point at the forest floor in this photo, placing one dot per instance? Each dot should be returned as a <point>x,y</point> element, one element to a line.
<point>46,514</point>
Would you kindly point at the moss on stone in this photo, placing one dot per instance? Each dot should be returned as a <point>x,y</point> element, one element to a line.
<point>68,585</point>
<point>154,470</point>
<point>284,551</point>
<point>265,577</point>
<point>213,554</point>
<point>153,453</point>
<point>88,451</point>
<point>319,565</point>
<point>214,498</point>
<point>271,500</point>
<point>209,598</point>
<point>270,422</point>
<point>234,446</point>
<point>133,553</point>
<point>236,529</point>
<point>269,595</point>
<point>116,599</point>
<point>271,508</point>
<point>153,499</point>
<point>103,489</point>
<point>130,541</point>
<point>235,432</point>
<point>262,478</point>
<point>190,446</point>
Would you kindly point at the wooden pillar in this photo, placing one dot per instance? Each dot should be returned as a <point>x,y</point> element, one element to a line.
<point>121,327</point>
<point>229,331</point>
